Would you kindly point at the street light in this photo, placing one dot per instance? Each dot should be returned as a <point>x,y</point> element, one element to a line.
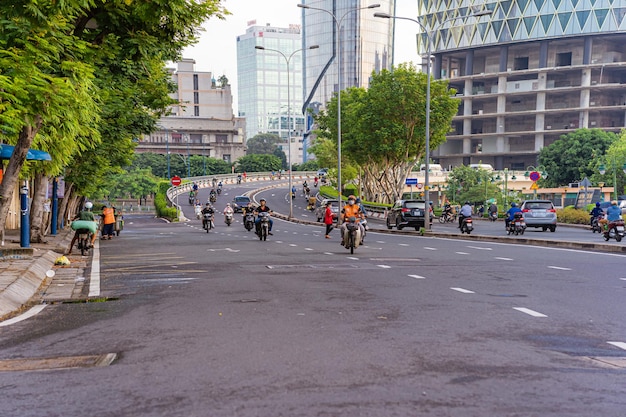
<point>428,70</point>
<point>602,171</point>
<point>289,121</point>
<point>338,23</point>
<point>506,183</point>
<point>534,175</point>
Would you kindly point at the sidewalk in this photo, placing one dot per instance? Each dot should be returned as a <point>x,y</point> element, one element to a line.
<point>23,279</point>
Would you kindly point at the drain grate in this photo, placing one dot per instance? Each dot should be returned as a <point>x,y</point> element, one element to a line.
<point>67,362</point>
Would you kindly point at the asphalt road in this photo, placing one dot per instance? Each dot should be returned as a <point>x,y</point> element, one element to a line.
<point>222,324</point>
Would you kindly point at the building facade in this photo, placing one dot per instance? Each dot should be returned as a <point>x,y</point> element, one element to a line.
<point>528,73</point>
<point>202,123</point>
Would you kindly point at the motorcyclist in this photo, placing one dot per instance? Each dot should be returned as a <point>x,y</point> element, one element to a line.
<point>212,194</point>
<point>493,208</point>
<point>194,187</point>
<point>219,185</point>
<point>351,210</point>
<point>315,181</point>
<point>263,208</point>
<point>510,215</point>
<point>239,179</point>
<point>228,209</point>
<point>208,209</point>
<point>85,214</point>
<point>293,192</point>
<point>613,213</point>
<point>249,208</point>
<point>596,212</point>
<point>466,211</point>
<point>198,208</point>
<point>304,187</point>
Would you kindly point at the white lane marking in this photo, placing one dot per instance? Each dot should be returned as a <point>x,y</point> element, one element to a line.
<point>403,244</point>
<point>94,278</point>
<point>620,345</point>
<point>292,244</point>
<point>417,276</point>
<point>30,313</point>
<point>328,253</point>
<point>462,253</point>
<point>380,241</point>
<point>479,248</point>
<point>503,259</point>
<point>308,249</point>
<point>529,312</point>
<point>353,258</point>
<point>383,266</point>
<point>279,241</point>
<point>428,248</point>
<point>463,290</point>
<point>623,279</point>
<point>560,268</point>
<point>226,249</point>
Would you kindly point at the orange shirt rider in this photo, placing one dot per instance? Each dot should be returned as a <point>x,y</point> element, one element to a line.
<point>351,209</point>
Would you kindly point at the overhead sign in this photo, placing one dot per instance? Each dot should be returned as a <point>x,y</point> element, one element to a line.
<point>411,181</point>
<point>175,181</point>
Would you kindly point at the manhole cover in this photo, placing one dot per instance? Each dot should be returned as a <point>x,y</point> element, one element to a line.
<point>68,362</point>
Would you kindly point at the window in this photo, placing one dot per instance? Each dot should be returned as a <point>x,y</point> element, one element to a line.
<point>221,138</point>
<point>195,82</point>
<point>564,59</point>
<point>520,63</point>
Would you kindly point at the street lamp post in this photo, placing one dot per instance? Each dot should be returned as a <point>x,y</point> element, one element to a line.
<point>506,184</point>
<point>428,71</point>
<point>534,174</point>
<point>289,119</point>
<point>338,23</point>
<point>602,171</point>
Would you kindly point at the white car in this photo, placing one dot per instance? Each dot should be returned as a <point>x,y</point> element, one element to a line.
<point>334,207</point>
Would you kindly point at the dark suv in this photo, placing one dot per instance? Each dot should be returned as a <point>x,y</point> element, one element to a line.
<point>407,213</point>
<point>239,202</point>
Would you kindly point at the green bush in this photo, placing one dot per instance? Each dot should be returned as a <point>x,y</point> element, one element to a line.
<point>160,203</point>
<point>572,216</point>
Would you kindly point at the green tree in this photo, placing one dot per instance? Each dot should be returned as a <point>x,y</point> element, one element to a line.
<point>613,161</point>
<point>310,165</point>
<point>137,183</point>
<point>258,163</point>
<point>223,81</point>
<point>263,144</point>
<point>383,129</point>
<point>574,156</point>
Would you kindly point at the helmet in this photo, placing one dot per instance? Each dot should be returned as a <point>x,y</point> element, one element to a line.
<point>513,204</point>
<point>261,200</point>
<point>598,204</point>
<point>208,204</point>
<point>351,197</point>
<point>358,200</point>
<point>467,202</point>
<point>227,204</point>
<point>88,205</point>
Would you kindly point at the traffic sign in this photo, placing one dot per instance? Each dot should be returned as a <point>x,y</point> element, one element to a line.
<point>411,181</point>
<point>534,186</point>
<point>534,176</point>
<point>175,181</point>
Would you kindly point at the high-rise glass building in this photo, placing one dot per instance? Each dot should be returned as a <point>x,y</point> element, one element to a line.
<point>262,79</point>
<point>366,45</point>
<point>528,73</point>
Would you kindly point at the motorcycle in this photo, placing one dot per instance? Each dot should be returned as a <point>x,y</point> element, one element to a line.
<point>239,180</point>
<point>595,224</point>
<point>264,226</point>
<point>228,218</point>
<point>315,183</point>
<point>614,230</point>
<point>517,226</point>
<point>84,241</point>
<point>213,198</point>
<point>248,220</point>
<point>207,222</point>
<point>363,222</point>
<point>352,236</point>
<point>493,216</point>
<point>198,212</point>
<point>219,190</point>
<point>447,217</point>
<point>192,198</point>
<point>467,225</point>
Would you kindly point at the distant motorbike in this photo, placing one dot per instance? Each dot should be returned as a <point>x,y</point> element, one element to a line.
<point>198,212</point>
<point>207,222</point>
<point>467,225</point>
<point>595,225</point>
<point>517,226</point>
<point>248,220</point>
<point>219,190</point>
<point>352,237</point>
<point>447,217</point>
<point>264,226</point>
<point>493,216</point>
<point>213,198</point>
<point>614,230</point>
<point>363,222</point>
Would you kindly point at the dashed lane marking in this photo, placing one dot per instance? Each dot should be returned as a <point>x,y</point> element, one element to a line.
<point>479,248</point>
<point>462,290</point>
<point>560,268</point>
<point>620,345</point>
<point>403,244</point>
<point>529,312</point>
<point>417,276</point>
<point>352,258</point>
<point>384,266</point>
<point>328,253</point>
<point>429,248</point>
<point>308,249</point>
<point>503,259</point>
<point>462,253</point>
<point>293,245</point>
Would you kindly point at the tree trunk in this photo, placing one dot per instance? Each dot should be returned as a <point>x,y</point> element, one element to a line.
<point>12,173</point>
<point>37,225</point>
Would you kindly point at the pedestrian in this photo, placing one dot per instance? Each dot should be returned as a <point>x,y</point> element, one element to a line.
<point>109,222</point>
<point>328,219</point>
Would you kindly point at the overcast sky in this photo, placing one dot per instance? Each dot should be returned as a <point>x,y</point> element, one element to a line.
<point>217,51</point>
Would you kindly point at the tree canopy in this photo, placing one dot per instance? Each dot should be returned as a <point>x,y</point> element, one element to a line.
<point>574,156</point>
<point>263,144</point>
<point>258,163</point>
<point>383,128</point>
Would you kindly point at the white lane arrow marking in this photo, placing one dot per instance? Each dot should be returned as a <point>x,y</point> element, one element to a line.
<point>529,312</point>
<point>620,345</point>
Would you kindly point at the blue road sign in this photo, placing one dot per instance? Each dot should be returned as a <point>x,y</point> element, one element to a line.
<point>411,181</point>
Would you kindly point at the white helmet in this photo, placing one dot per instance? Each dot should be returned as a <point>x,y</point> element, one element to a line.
<point>227,204</point>
<point>88,205</point>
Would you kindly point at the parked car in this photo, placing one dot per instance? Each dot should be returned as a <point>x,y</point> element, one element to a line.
<point>539,213</point>
<point>407,213</point>
<point>334,207</point>
<point>239,202</point>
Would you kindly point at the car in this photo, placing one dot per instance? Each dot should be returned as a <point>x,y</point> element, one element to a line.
<point>407,213</point>
<point>322,172</point>
<point>622,205</point>
<point>334,207</point>
<point>239,202</point>
<point>539,213</point>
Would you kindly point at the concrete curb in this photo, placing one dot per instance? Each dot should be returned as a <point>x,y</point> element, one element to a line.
<point>26,285</point>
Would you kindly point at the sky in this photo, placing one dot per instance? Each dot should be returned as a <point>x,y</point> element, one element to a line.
<point>217,50</point>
